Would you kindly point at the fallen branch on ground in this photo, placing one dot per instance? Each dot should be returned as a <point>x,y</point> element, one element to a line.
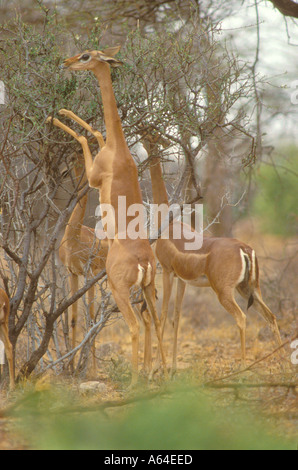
<point>233,374</point>
<point>289,385</point>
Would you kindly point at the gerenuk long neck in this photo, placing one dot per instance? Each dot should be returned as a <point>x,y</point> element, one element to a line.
<point>159,191</point>
<point>124,181</point>
<point>114,131</point>
<point>158,185</point>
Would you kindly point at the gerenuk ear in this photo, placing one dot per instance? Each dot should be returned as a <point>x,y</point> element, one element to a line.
<point>110,60</point>
<point>111,51</point>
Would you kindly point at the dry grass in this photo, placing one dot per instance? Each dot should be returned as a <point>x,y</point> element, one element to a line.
<point>209,348</point>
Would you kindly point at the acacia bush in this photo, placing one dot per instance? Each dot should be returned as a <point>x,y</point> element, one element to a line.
<point>37,189</point>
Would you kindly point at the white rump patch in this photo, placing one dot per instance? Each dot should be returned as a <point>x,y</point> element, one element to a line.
<point>148,276</point>
<point>243,267</point>
<point>253,268</point>
<point>140,275</point>
<point>143,278</point>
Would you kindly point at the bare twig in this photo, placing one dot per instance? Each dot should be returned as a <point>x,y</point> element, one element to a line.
<point>228,376</point>
<point>288,385</point>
